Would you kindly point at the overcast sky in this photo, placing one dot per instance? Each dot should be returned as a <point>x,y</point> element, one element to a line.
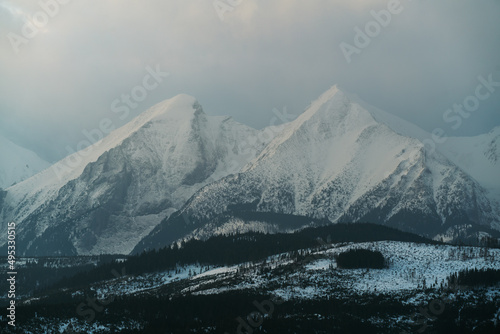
<point>63,77</point>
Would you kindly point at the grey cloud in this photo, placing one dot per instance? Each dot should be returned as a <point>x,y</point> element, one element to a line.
<point>265,55</point>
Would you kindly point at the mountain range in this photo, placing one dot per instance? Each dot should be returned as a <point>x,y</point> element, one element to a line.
<point>175,173</point>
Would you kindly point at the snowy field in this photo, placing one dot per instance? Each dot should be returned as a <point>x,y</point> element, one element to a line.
<point>412,267</point>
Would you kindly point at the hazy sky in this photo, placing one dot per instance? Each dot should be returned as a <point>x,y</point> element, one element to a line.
<point>62,77</point>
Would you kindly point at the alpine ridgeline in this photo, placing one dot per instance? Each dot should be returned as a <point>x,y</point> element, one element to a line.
<point>346,162</point>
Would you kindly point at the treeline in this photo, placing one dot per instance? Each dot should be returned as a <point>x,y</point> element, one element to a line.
<point>489,241</point>
<point>219,313</point>
<point>475,277</point>
<point>284,221</point>
<point>360,258</point>
<point>226,311</point>
<point>41,273</point>
<point>230,250</point>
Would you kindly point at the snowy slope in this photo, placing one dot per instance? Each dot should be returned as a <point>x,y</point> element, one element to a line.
<point>479,156</point>
<point>395,123</point>
<point>17,163</point>
<point>106,199</point>
<point>410,264</point>
<point>337,161</point>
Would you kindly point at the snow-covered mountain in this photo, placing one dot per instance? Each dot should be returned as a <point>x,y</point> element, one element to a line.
<point>17,163</point>
<point>342,161</point>
<point>106,198</point>
<point>478,156</point>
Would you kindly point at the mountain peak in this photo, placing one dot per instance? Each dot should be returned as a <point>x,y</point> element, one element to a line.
<point>332,91</point>
<point>336,109</point>
<point>326,97</point>
<point>178,107</point>
<point>127,181</point>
